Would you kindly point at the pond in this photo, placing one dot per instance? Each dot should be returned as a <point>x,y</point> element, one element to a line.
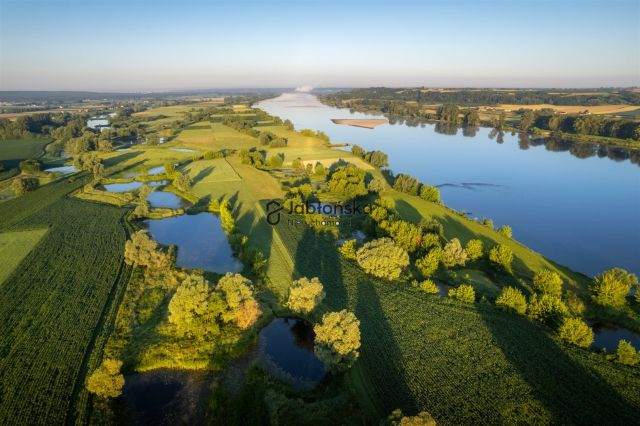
<point>168,200</point>
<point>200,240</point>
<point>286,348</point>
<point>607,336</point>
<point>166,397</point>
<point>183,150</point>
<point>98,123</point>
<point>122,187</point>
<point>61,169</point>
<point>576,203</point>
<point>156,170</point>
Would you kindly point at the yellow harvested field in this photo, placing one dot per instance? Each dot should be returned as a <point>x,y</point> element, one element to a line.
<point>568,109</point>
<point>367,123</point>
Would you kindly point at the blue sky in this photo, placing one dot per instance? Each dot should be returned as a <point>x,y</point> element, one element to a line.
<point>160,45</point>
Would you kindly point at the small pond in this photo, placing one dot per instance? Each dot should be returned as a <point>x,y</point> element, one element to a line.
<point>122,187</point>
<point>156,170</point>
<point>286,348</point>
<point>166,397</point>
<point>61,169</point>
<point>183,150</point>
<point>607,336</point>
<point>200,240</point>
<point>168,200</point>
<point>98,123</point>
<point>131,175</point>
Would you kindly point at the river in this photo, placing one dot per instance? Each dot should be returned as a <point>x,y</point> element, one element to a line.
<point>577,204</point>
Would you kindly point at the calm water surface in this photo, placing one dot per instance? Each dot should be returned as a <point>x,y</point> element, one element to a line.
<point>286,346</point>
<point>62,169</point>
<point>200,240</point>
<point>577,204</point>
<point>607,337</point>
<point>167,200</point>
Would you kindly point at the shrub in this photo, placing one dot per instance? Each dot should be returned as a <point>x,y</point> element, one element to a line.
<point>376,185</point>
<point>347,181</point>
<point>626,353</point>
<point>429,264</point>
<point>611,287</point>
<point>576,332</point>
<point>454,254</point>
<point>21,186</point>
<point>305,295</point>
<point>512,298</point>
<point>464,293</point>
<point>506,231</point>
<point>546,308</point>
<point>502,256</point>
<point>430,193</point>
<point>337,340</point>
<point>474,250</point>
<point>106,381</point>
<point>382,258</point>
<point>548,282</point>
<point>422,419</point>
<point>407,184</point>
<point>574,304</point>
<point>239,304</point>
<point>429,286</point>
<point>348,249</point>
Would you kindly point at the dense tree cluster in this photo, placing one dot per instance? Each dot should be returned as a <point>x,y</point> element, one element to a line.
<point>410,185</point>
<point>612,287</point>
<point>106,381</point>
<point>22,185</point>
<point>337,340</point>
<point>383,258</point>
<point>512,298</point>
<point>375,158</point>
<point>347,181</point>
<point>576,332</point>
<point>305,295</point>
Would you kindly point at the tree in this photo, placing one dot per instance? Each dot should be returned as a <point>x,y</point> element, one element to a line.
<point>447,112</point>
<point>428,286</point>
<point>429,264</point>
<point>546,308</point>
<point>182,181</point>
<point>227,221</point>
<point>106,381</point>
<point>407,184</point>
<point>276,161</point>
<point>626,354</point>
<point>502,256</point>
<point>143,251</point>
<point>512,298</point>
<point>464,293</point>
<point>376,185</point>
<point>405,234</point>
<point>320,170</point>
<point>98,171</point>
<point>337,340</point>
<point>239,304</point>
<point>29,166</point>
<point>422,419</point>
<point>192,310</point>
<point>382,258</point>
<point>430,193</point>
<point>548,282</point>
<point>506,231</point>
<point>527,120</point>
<point>454,254</point>
<point>347,181</point>
<point>348,249</point>
<point>576,332</point>
<point>21,186</point>
<point>471,118</point>
<point>612,286</point>
<point>169,168</point>
<point>305,295</point>
<point>474,250</point>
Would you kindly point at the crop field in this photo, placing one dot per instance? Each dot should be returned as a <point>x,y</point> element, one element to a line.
<point>214,136</point>
<point>14,246</point>
<point>49,316</point>
<point>465,364</point>
<point>13,151</point>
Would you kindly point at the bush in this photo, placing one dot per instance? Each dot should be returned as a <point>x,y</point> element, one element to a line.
<point>506,231</point>
<point>429,264</point>
<point>626,353</point>
<point>429,286</point>
<point>548,282</point>
<point>512,298</point>
<point>337,340</point>
<point>502,256</point>
<point>611,287</point>
<point>464,293</point>
<point>546,308</point>
<point>347,181</point>
<point>382,258</point>
<point>407,184</point>
<point>574,304</point>
<point>376,185</point>
<point>576,332</point>
<point>474,250</point>
<point>21,186</point>
<point>348,249</point>
<point>430,193</point>
<point>422,419</point>
<point>305,295</point>
<point>106,381</point>
<point>454,254</point>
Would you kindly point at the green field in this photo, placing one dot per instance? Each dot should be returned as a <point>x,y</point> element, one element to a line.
<point>14,246</point>
<point>464,364</point>
<point>13,151</point>
<point>53,303</point>
<point>214,136</point>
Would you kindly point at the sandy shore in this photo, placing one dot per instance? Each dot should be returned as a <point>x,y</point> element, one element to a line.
<point>367,123</point>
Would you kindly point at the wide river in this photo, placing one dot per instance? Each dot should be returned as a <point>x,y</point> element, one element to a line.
<point>577,204</point>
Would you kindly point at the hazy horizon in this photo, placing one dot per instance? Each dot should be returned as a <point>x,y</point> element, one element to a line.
<point>145,46</point>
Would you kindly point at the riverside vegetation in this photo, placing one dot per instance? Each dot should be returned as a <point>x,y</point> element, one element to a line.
<point>92,299</point>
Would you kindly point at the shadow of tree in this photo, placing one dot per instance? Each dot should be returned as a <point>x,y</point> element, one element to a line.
<point>202,174</point>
